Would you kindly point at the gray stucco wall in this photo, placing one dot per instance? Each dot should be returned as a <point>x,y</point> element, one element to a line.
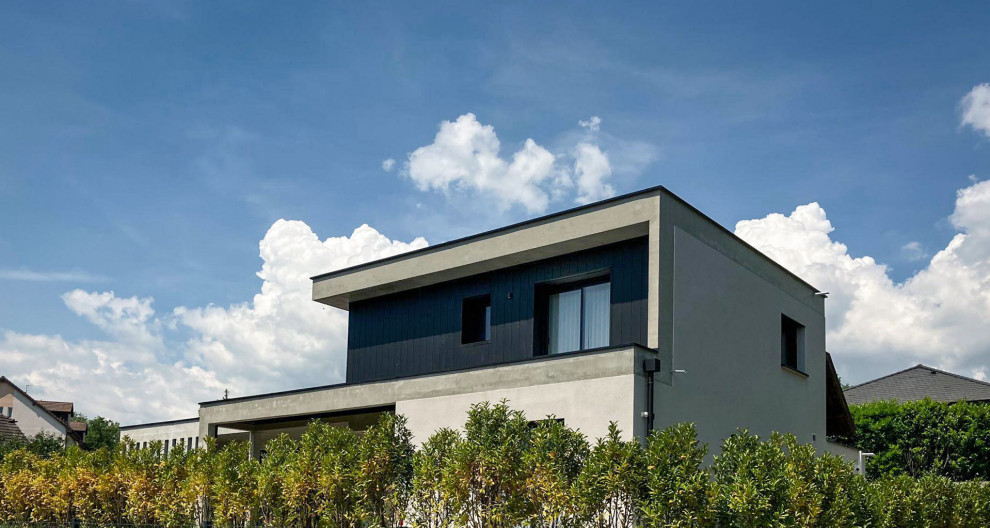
<point>724,304</point>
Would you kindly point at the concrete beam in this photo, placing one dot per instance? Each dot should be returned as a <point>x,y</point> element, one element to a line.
<point>584,228</point>
<point>544,371</point>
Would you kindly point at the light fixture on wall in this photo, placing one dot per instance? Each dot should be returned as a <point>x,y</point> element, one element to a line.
<point>822,294</point>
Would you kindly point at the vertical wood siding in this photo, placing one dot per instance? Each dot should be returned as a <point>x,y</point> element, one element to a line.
<point>419,331</point>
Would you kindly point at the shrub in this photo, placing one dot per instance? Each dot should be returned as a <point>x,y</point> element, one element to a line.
<point>433,503</point>
<point>611,483</point>
<point>678,491</point>
<point>386,471</point>
<point>553,462</point>
<point>502,471</point>
<point>488,478</point>
<point>921,437</point>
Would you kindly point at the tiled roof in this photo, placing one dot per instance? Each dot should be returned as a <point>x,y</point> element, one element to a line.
<point>917,383</point>
<point>56,406</point>
<point>8,427</point>
<point>79,426</point>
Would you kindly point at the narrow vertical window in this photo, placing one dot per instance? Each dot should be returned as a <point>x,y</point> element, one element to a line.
<point>476,319</point>
<point>791,344</point>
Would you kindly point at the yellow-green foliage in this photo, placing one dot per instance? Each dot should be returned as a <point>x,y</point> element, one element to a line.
<point>502,471</point>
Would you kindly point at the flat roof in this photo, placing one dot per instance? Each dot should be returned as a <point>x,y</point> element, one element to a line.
<point>584,227</point>
<point>485,234</point>
<point>155,424</point>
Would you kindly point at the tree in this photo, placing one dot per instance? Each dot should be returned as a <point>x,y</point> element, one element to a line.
<point>102,432</point>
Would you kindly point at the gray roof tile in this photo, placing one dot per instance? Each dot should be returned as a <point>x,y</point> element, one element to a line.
<point>917,383</point>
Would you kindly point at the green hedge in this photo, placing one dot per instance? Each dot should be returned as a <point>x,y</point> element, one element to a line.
<point>922,437</point>
<point>500,471</point>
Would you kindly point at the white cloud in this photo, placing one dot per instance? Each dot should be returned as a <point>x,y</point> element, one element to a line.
<point>940,316</point>
<point>465,157</point>
<point>279,340</point>
<point>913,251</point>
<point>282,339</point>
<point>591,172</point>
<point>48,276</point>
<point>593,125</point>
<point>388,164</point>
<point>976,108</point>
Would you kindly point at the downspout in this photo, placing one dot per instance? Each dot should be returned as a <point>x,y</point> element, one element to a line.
<point>650,367</point>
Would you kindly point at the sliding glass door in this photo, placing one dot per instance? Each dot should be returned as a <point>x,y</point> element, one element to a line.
<point>579,318</point>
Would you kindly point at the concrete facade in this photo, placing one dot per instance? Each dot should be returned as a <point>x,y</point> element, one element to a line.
<point>171,433</point>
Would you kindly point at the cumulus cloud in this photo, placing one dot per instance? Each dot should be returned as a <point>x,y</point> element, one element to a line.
<point>976,108</point>
<point>388,164</point>
<point>281,339</point>
<point>940,316</point>
<point>592,171</point>
<point>465,157</point>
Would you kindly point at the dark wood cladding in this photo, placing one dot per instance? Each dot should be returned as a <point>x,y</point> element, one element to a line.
<point>419,331</point>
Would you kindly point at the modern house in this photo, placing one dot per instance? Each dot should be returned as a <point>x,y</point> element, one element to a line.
<point>26,417</point>
<point>638,310</point>
<point>920,382</point>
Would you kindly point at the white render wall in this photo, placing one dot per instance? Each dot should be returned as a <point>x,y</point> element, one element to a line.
<point>588,405</point>
<point>31,419</point>
<point>170,432</point>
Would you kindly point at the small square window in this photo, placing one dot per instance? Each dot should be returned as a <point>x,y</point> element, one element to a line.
<point>791,343</point>
<point>476,319</point>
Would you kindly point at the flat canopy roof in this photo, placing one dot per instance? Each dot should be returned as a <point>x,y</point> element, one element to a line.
<point>589,226</point>
<point>597,224</point>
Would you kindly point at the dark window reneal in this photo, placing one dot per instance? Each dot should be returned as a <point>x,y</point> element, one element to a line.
<point>476,319</point>
<point>578,317</point>
<point>791,343</point>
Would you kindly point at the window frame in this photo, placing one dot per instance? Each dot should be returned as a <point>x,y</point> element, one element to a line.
<point>541,311</point>
<point>485,300</point>
<point>789,325</point>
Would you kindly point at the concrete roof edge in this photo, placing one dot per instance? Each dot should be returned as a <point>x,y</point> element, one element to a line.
<point>497,231</point>
<point>533,359</point>
<point>163,422</point>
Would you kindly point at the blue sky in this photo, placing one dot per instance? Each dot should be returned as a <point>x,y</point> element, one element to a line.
<point>145,149</point>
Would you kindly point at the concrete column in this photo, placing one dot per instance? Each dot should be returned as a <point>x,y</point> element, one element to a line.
<point>253,442</point>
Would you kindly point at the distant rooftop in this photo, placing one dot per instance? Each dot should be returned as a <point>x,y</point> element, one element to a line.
<point>56,406</point>
<point>917,383</point>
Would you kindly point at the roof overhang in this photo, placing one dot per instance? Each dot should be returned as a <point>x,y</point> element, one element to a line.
<point>621,218</point>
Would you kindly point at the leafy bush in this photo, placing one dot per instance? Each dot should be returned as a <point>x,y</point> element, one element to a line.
<point>501,471</point>
<point>921,437</point>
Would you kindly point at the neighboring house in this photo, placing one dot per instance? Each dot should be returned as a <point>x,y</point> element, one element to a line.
<point>638,310</point>
<point>917,383</point>
<point>32,416</point>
